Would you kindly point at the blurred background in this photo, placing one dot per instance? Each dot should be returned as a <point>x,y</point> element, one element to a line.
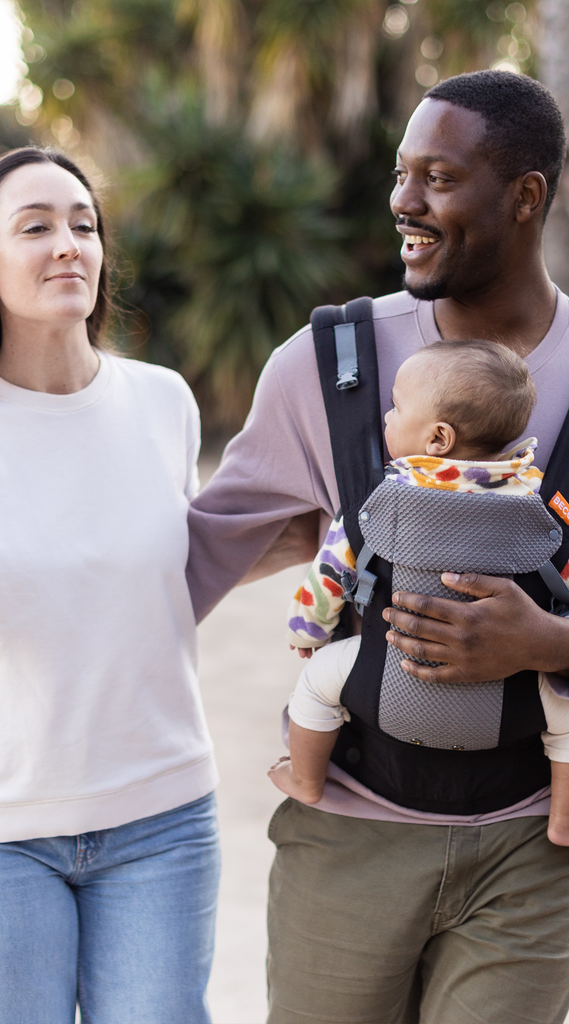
<point>244,149</point>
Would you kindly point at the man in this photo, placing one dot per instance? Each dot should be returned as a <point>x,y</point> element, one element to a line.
<point>382,913</point>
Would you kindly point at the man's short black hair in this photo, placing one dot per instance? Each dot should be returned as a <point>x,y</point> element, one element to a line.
<point>524,125</point>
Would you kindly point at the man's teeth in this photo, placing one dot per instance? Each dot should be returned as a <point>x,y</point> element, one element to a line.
<point>418,239</point>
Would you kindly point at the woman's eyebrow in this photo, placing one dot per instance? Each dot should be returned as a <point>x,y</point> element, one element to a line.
<point>49,207</point>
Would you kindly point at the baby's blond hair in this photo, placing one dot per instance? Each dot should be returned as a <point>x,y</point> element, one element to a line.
<point>482,389</point>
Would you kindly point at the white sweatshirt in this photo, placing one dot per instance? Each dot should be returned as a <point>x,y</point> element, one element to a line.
<point>101,720</point>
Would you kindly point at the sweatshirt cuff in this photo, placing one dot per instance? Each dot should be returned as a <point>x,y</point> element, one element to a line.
<point>305,641</point>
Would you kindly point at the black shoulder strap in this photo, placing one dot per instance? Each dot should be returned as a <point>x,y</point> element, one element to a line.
<point>344,339</point>
<point>556,479</point>
<point>557,473</point>
<point>540,586</point>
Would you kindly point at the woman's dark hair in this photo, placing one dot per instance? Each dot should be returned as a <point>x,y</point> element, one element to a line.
<point>33,155</point>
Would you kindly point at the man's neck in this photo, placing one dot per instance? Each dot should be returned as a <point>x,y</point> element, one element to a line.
<point>517,312</point>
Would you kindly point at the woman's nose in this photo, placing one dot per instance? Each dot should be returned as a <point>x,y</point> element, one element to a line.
<point>65,247</point>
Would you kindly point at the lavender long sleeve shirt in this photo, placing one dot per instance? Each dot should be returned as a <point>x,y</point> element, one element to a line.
<point>280,465</point>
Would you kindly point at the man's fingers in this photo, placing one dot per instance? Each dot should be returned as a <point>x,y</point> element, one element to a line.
<point>442,608</point>
<point>430,674</point>
<point>422,649</point>
<point>446,610</point>
<point>475,584</point>
<point>427,629</point>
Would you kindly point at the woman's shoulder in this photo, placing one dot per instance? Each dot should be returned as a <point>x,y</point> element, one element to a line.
<point>158,383</point>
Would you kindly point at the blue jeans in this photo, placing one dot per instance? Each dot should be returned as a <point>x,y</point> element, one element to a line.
<point>121,921</point>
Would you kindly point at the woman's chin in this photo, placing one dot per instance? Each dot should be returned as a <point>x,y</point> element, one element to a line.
<point>65,315</point>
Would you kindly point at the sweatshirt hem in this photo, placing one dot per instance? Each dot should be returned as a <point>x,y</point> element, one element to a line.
<point>70,817</point>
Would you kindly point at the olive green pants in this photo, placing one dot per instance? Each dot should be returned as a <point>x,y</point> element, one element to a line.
<point>384,923</point>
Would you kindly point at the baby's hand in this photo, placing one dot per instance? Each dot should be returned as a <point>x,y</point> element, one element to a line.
<point>304,652</point>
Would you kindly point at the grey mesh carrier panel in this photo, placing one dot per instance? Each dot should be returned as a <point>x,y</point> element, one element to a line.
<point>423,533</point>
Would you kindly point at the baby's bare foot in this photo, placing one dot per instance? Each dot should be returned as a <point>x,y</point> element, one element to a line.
<point>282,776</point>
<point>558,829</point>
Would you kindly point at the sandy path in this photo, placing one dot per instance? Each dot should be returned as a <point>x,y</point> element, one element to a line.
<point>245,686</point>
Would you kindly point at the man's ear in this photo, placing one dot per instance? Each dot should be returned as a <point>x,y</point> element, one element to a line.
<point>442,440</point>
<point>531,196</point>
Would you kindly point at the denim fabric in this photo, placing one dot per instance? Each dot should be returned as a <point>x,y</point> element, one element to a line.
<point>121,920</point>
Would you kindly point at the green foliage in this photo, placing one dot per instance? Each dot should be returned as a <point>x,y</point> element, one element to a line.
<point>247,145</point>
<point>243,233</point>
<point>466,16</point>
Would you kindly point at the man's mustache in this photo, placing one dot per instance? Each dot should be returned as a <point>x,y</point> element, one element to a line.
<point>410,222</point>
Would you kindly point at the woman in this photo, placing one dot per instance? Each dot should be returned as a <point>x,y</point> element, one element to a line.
<point>109,857</point>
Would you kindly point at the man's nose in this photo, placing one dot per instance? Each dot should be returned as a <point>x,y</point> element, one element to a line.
<point>408,199</point>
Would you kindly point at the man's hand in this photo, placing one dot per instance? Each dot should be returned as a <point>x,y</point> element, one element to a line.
<point>501,633</point>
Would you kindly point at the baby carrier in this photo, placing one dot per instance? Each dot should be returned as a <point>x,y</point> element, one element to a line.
<point>453,749</point>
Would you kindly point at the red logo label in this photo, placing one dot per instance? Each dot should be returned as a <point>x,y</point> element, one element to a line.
<point>560,505</point>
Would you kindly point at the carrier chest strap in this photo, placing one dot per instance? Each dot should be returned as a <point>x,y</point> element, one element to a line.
<point>360,591</point>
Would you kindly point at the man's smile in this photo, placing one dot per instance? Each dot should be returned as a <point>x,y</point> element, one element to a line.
<point>417,248</point>
<point>415,243</point>
<point>419,240</point>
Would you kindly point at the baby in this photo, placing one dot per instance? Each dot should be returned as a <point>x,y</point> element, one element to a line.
<point>444,436</point>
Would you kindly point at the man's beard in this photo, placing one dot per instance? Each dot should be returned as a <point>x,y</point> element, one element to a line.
<point>461,272</point>
<point>428,291</point>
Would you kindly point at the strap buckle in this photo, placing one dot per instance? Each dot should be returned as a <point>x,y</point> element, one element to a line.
<point>359,591</point>
<point>348,380</point>
<point>349,583</point>
<point>364,593</point>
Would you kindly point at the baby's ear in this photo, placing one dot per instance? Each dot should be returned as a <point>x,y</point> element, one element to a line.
<point>442,440</point>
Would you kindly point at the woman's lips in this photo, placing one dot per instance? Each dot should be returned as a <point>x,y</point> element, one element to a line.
<point>65,277</point>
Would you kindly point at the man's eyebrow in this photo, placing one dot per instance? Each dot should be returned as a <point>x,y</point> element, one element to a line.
<point>49,207</point>
<point>431,159</point>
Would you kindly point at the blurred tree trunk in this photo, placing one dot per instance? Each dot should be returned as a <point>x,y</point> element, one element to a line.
<point>554,73</point>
